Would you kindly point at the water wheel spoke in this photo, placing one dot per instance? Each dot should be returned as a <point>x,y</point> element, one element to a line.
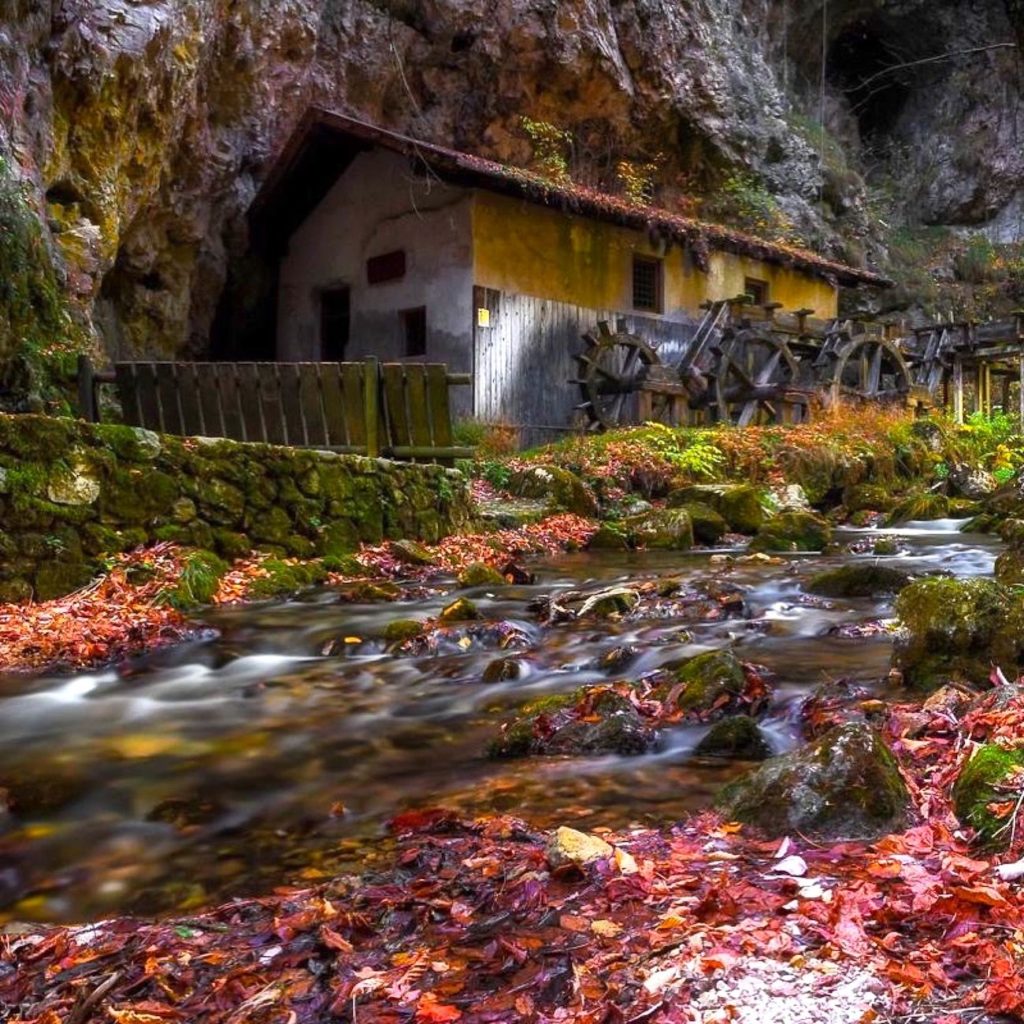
<point>875,373</point>
<point>769,367</point>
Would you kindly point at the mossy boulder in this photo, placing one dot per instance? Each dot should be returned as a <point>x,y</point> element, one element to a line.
<point>865,579</point>
<point>742,506</point>
<point>668,529</point>
<point>55,579</point>
<point>611,536</point>
<point>287,577</point>
<point>480,574</point>
<point>793,531</point>
<point>579,723</point>
<point>1009,567</point>
<point>845,785</point>
<point>562,490</point>
<point>709,527</point>
<point>988,777</point>
<point>460,610</point>
<point>737,737</point>
<point>869,498</point>
<point>956,629</point>
<point>410,552</point>
<point>401,630</point>
<point>920,506</point>
<point>712,685</point>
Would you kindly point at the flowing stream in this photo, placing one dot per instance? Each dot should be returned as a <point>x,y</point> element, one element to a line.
<point>232,765</point>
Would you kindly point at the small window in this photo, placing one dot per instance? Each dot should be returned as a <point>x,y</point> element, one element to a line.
<point>756,291</point>
<point>335,315</point>
<point>647,284</point>
<point>388,267</point>
<point>414,327</point>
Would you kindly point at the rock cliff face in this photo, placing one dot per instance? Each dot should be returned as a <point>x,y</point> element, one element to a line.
<point>143,128</point>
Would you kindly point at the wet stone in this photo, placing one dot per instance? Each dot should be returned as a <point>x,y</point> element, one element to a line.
<point>846,785</point>
<point>738,737</point>
<point>859,580</point>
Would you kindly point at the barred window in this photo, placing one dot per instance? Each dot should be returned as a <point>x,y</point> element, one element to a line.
<point>647,284</point>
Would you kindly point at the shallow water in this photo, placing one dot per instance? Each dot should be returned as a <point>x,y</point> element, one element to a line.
<point>232,764</point>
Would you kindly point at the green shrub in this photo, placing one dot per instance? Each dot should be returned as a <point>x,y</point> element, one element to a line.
<point>198,582</point>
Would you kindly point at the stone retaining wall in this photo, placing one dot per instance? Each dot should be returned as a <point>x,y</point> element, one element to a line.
<point>71,492</point>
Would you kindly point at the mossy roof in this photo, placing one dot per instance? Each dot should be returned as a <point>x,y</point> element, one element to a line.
<point>325,142</point>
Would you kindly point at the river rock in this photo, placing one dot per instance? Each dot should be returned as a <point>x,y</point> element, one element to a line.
<point>460,610</point>
<point>982,782</point>
<point>480,574</point>
<point>409,552</point>
<point>864,579</point>
<point>742,506</point>
<point>401,630</point>
<point>846,785</point>
<point>709,527</point>
<point>868,498</point>
<point>611,536</point>
<point>569,847</point>
<point>668,529</point>
<point>712,685</point>
<point>562,490</point>
<point>793,531</point>
<point>585,722</point>
<point>738,737</point>
<point>956,629</point>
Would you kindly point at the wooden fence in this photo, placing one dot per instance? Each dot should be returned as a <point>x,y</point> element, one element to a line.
<point>399,410</point>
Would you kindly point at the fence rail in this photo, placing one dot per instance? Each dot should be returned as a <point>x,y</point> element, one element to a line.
<point>400,410</point>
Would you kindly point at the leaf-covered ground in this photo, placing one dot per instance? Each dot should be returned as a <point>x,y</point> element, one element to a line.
<point>700,922</point>
<point>126,610</point>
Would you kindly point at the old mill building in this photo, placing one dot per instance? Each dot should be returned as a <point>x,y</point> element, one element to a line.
<point>389,246</point>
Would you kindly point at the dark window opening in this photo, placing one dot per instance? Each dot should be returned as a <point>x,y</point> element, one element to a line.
<point>335,318</point>
<point>756,291</point>
<point>647,284</point>
<point>414,327</point>
<point>389,266</point>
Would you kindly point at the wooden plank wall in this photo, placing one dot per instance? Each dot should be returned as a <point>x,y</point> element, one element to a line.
<point>525,360</point>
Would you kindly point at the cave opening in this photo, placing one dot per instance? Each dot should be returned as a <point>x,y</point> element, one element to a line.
<point>863,64</point>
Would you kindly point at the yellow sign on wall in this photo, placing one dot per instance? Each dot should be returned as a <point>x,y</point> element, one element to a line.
<point>483,317</point>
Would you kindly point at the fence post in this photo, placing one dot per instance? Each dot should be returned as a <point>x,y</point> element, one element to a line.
<point>86,378</point>
<point>371,405</point>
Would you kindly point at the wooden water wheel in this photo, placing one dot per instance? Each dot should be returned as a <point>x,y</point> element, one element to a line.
<point>869,369</point>
<point>757,380</point>
<point>612,372</point>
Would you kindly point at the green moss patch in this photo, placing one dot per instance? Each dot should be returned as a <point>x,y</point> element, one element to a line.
<point>989,777</point>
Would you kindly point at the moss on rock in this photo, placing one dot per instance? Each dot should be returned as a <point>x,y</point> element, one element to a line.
<point>712,684</point>
<point>983,781</point>
<point>738,737</point>
<point>793,531</point>
<point>563,490</point>
<point>742,506</point>
<point>956,629</point>
<point>858,580</point>
<point>610,724</point>
<point>709,527</point>
<point>480,574</point>
<point>669,529</point>
<point>198,582</point>
<point>846,785</point>
<point>922,505</point>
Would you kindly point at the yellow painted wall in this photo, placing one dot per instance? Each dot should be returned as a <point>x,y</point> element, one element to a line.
<point>526,248</point>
